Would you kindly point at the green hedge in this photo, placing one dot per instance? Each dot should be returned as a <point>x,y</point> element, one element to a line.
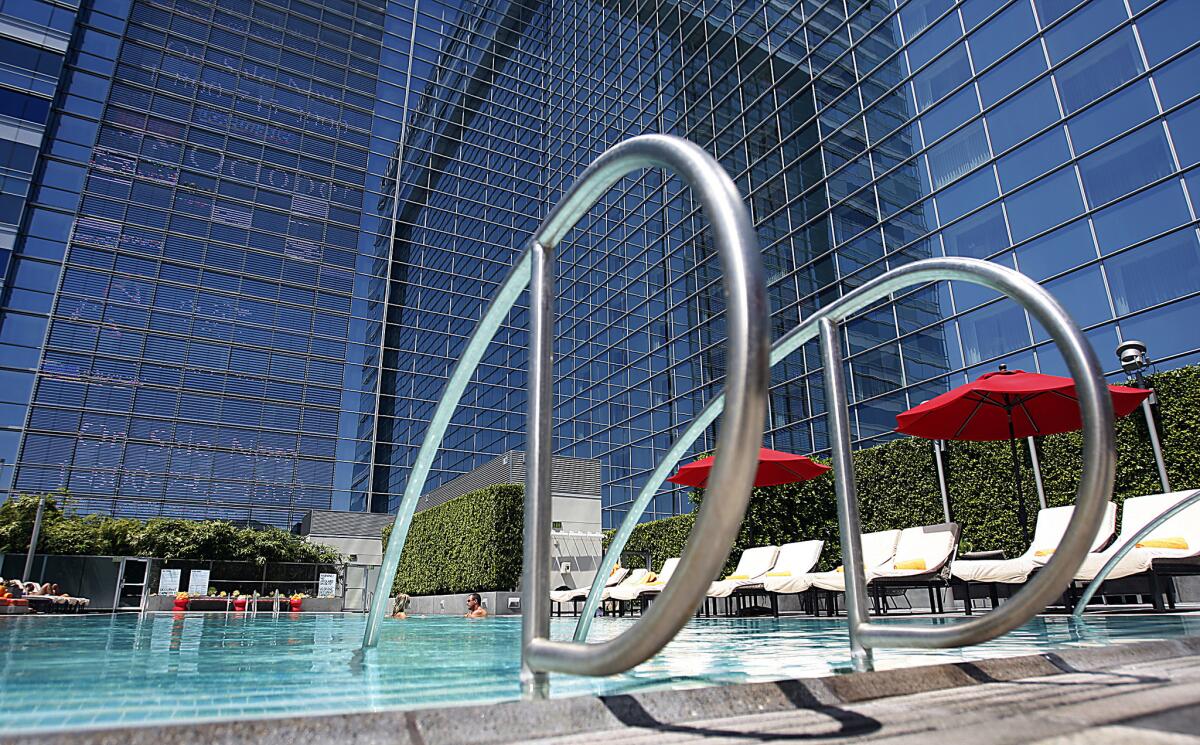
<point>472,543</point>
<point>164,538</point>
<point>897,484</point>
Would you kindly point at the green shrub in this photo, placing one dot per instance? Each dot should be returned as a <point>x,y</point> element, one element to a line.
<point>897,484</point>
<point>472,543</point>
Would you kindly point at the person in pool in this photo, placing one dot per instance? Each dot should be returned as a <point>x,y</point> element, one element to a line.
<point>475,607</point>
<point>401,606</point>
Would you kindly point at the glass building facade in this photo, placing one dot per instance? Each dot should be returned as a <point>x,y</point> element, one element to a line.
<point>246,241</point>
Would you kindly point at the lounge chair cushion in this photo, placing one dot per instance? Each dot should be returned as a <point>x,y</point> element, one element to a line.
<point>630,591</point>
<point>792,566</point>
<point>879,550</point>
<point>931,544</point>
<point>751,569</point>
<point>1136,513</point>
<point>1048,532</point>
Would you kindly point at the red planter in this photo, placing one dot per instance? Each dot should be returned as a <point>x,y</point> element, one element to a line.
<point>181,603</point>
<point>239,604</point>
<point>296,603</point>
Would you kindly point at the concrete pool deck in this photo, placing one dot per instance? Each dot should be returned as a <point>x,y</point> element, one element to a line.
<point>1144,692</point>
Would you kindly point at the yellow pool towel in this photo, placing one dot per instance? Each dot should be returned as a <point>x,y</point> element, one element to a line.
<point>1176,542</point>
<point>910,564</point>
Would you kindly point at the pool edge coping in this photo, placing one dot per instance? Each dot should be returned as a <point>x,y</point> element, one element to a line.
<point>519,721</point>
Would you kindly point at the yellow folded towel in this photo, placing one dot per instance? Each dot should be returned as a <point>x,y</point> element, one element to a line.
<point>650,577</point>
<point>1044,552</point>
<point>840,570</point>
<point>910,564</point>
<point>655,583</point>
<point>1172,542</point>
<point>779,574</point>
<point>738,576</point>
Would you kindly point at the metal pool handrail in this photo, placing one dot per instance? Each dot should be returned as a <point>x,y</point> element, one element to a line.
<point>1128,546</point>
<point>747,379</point>
<point>1095,485</point>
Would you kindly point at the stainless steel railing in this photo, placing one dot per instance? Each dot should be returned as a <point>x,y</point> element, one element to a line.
<point>741,430</point>
<point>740,434</point>
<point>1094,488</point>
<point>1128,546</point>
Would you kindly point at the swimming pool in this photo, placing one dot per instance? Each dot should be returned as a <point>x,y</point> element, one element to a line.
<point>72,672</point>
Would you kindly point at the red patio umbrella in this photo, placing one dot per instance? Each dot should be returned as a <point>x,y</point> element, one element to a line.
<point>1005,405</point>
<point>774,468</point>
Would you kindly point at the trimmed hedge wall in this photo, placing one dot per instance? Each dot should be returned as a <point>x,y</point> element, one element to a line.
<point>164,538</point>
<point>897,484</point>
<point>472,543</point>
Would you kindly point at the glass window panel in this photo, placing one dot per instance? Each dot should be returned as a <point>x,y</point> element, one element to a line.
<point>1029,111</point>
<point>992,331</point>
<point>1032,159</point>
<point>1139,277</point>
<point>1168,28</point>
<point>1017,70</point>
<point>1065,248</point>
<point>1178,81</point>
<point>958,154</point>
<point>1082,293</point>
<point>1166,331</point>
<point>1134,160</point>
<point>949,114</point>
<point>1051,201</point>
<point>1083,27</point>
<point>978,236</point>
<point>944,75</point>
<point>1141,216</point>
<point>1050,11</point>
<point>966,195</point>
<point>1109,118</point>
<point>1099,70</point>
<point>1001,34</point>
<point>1185,133</point>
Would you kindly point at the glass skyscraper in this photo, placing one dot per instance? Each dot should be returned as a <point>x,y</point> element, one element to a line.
<point>244,242</point>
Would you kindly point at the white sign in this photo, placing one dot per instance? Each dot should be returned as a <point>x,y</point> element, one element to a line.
<point>168,582</point>
<point>327,587</point>
<point>198,582</point>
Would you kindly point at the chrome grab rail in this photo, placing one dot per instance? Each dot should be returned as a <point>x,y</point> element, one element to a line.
<point>1095,485</point>
<point>1094,586</point>
<point>737,444</point>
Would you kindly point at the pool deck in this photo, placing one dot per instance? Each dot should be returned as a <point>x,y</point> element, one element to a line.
<point>1145,692</point>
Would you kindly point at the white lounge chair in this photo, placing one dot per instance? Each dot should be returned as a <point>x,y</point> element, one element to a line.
<point>878,550</point>
<point>647,586</point>
<point>793,566</point>
<point>1049,530</point>
<point>922,560</point>
<point>1170,549</point>
<point>575,595</point>
<point>751,569</point>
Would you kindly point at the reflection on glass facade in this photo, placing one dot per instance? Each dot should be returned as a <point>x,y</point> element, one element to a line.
<point>259,232</point>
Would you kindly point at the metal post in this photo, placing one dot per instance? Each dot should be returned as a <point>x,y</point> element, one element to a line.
<point>1037,471</point>
<point>1022,515</point>
<point>33,538</point>
<point>535,584</point>
<point>1155,445</point>
<point>939,446</point>
<point>847,498</point>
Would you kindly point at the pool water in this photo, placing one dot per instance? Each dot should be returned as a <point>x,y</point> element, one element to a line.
<point>72,672</point>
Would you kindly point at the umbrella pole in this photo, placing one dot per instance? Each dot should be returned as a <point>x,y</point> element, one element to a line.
<point>1022,516</point>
